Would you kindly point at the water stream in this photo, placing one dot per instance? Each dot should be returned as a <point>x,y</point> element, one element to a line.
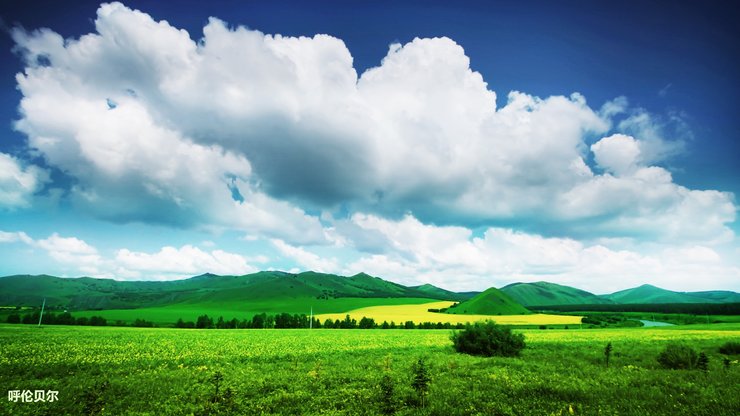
<point>654,323</point>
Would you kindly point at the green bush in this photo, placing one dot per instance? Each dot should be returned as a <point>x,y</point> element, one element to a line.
<point>678,357</point>
<point>488,339</point>
<point>730,348</point>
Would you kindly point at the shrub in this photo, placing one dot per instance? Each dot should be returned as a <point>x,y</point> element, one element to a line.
<point>488,339</point>
<point>678,357</point>
<point>730,348</point>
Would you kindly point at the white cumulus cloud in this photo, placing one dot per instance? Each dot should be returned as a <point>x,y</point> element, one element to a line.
<point>307,259</point>
<point>18,182</point>
<point>183,262</point>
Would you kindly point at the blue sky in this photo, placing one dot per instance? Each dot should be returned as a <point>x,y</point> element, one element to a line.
<point>466,146</point>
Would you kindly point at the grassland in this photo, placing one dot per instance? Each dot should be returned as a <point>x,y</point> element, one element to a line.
<point>167,315</point>
<point>420,313</point>
<point>125,371</point>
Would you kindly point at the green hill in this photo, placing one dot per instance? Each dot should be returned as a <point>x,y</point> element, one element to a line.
<point>545,294</point>
<point>275,287</point>
<point>439,293</point>
<point>489,302</point>
<point>719,296</point>
<point>652,294</point>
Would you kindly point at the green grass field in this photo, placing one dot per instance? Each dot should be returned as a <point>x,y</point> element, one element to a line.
<point>167,315</point>
<point>127,371</point>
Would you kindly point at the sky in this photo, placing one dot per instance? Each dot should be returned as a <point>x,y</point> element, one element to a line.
<point>465,145</point>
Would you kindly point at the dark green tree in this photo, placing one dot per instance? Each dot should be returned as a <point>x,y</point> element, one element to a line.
<point>65,318</point>
<point>259,321</point>
<point>367,323</point>
<point>607,353</point>
<point>98,321</point>
<point>420,381</point>
<point>703,362</point>
<point>204,321</point>
<point>387,395</point>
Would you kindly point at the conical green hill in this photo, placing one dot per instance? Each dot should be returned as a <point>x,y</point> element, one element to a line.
<point>489,302</point>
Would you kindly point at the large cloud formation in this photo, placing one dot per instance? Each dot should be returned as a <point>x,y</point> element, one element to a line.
<point>258,132</point>
<point>242,128</point>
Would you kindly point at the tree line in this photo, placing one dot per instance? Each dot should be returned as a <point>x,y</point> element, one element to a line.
<point>259,321</point>
<point>286,320</point>
<point>51,318</point>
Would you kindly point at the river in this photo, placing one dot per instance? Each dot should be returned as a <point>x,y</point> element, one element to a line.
<point>654,323</point>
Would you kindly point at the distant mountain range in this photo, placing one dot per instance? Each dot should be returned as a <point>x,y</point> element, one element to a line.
<point>652,294</point>
<point>324,292</point>
<point>548,294</point>
<point>87,293</point>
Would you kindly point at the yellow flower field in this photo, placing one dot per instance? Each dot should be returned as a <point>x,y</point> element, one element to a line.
<point>419,313</point>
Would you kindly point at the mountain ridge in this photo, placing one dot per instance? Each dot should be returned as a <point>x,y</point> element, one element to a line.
<point>90,293</point>
<point>98,293</point>
<point>648,293</point>
<point>547,294</point>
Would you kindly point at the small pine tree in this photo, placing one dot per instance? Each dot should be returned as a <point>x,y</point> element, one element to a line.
<point>216,380</point>
<point>608,353</point>
<point>421,381</point>
<point>703,362</point>
<point>387,395</point>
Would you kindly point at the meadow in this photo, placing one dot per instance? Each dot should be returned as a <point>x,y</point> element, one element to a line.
<point>167,315</point>
<point>126,371</point>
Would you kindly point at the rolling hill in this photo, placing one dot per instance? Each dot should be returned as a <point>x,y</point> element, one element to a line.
<point>545,294</point>
<point>652,294</point>
<point>437,293</point>
<point>274,287</point>
<point>489,302</point>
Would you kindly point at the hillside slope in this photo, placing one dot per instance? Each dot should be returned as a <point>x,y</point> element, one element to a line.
<point>489,302</point>
<point>545,294</point>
